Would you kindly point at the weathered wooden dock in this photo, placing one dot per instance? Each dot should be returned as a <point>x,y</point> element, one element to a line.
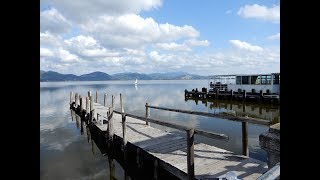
<point>175,152</point>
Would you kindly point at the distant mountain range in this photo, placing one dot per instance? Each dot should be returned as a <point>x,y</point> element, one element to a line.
<point>46,76</point>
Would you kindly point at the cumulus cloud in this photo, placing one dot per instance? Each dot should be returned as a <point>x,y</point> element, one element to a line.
<point>172,47</point>
<point>51,20</point>
<point>83,10</point>
<point>133,31</point>
<point>275,36</point>
<point>44,52</point>
<point>261,12</point>
<point>194,42</point>
<point>245,46</point>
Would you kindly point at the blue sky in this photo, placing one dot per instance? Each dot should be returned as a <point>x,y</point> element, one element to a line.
<point>202,37</point>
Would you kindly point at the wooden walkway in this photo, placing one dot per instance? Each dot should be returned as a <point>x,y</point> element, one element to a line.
<point>170,149</point>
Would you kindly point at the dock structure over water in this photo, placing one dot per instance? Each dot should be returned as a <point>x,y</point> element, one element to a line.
<point>178,153</point>
<point>246,87</point>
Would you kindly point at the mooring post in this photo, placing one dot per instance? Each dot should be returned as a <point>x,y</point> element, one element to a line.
<point>231,94</point>
<point>81,107</point>
<point>261,94</point>
<point>190,153</point>
<point>76,100</point>
<point>110,123</point>
<point>87,104</point>
<point>245,147</point>
<point>92,115</point>
<point>147,113</point>
<point>91,103</point>
<point>105,99</point>
<point>244,95</point>
<point>71,95</point>
<point>96,96</point>
<point>112,102</point>
<point>124,130</point>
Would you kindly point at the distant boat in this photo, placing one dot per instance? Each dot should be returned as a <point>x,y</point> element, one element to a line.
<point>136,82</point>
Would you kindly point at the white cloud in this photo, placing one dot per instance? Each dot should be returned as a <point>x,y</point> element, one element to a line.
<point>132,31</point>
<point>44,52</point>
<point>83,10</point>
<point>275,36</point>
<point>194,42</point>
<point>172,47</point>
<point>245,46</point>
<point>52,21</point>
<point>261,12</point>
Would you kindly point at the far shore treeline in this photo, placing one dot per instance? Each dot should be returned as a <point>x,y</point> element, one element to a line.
<point>47,76</point>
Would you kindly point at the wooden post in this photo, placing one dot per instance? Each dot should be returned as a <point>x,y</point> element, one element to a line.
<point>96,96</point>
<point>87,105</point>
<point>81,107</point>
<point>147,113</point>
<point>190,153</point>
<point>105,99</point>
<point>231,93</point>
<point>92,114</point>
<point>89,93</point>
<point>244,95</point>
<point>76,100</point>
<point>91,103</point>
<point>124,128</point>
<point>71,95</point>
<point>112,102</point>
<point>245,147</point>
<point>110,123</point>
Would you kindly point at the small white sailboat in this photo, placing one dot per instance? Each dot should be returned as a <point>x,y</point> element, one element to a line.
<point>136,82</point>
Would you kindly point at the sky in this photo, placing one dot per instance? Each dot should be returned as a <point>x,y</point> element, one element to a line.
<point>203,37</point>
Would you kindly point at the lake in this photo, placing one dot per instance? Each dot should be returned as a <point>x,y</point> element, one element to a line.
<point>66,154</point>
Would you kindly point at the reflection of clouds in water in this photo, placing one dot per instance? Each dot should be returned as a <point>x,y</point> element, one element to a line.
<point>99,175</point>
<point>57,140</point>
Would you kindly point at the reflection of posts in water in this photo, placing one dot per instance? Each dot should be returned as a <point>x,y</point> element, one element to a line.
<point>88,133</point>
<point>231,106</point>
<point>92,147</point>
<point>77,121</point>
<point>260,110</point>
<point>111,168</point>
<point>81,127</point>
<point>244,107</point>
<point>72,114</point>
<point>245,147</point>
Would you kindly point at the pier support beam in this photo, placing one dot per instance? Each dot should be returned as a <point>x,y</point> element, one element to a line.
<point>96,96</point>
<point>190,153</point>
<point>270,141</point>
<point>245,147</point>
<point>147,113</point>
<point>105,99</point>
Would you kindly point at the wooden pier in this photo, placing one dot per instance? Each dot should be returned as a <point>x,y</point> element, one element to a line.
<point>175,152</point>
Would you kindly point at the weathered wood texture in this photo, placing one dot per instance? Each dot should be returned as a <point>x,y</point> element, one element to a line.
<point>169,149</point>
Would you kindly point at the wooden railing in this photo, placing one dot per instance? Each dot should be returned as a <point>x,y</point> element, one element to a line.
<point>243,120</point>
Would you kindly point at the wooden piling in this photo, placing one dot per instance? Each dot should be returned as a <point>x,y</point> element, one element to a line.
<point>155,170</point>
<point>244,95</point>
<point>110,123</point>
<point>76,100</point>
<point>71,95</point>
<point>91,103</point>
<point>190,153</point>
<point>231,94</point>
<point>87,105</point>
<point>124,128</point>
<point>105,99</point>
<point>112,102</point>
<point>81,107</point>
<point>92,114</point>
<point>245,147</point>
<point>89,93</point>
<point>147,113</point>
<point>96,96</point>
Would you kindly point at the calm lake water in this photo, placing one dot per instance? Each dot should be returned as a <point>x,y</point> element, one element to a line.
<point>66,154</point>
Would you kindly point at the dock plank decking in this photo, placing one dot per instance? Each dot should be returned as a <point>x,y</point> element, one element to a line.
<point>171,149</point>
